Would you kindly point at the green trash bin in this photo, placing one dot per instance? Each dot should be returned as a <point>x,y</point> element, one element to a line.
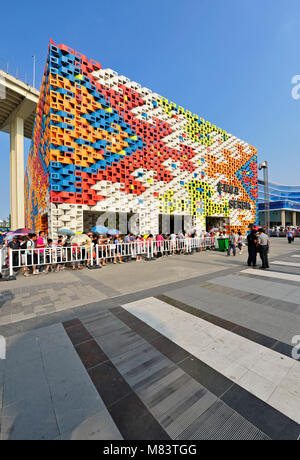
<point>223,244</point>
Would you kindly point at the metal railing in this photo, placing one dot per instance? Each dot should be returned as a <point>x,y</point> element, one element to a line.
<point>94,256</point>
<point>3,258</point>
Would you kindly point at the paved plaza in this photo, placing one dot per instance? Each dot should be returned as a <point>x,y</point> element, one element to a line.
<point>180,348</point>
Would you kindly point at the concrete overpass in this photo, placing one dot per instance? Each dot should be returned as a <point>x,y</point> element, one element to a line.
<point>18,103</point>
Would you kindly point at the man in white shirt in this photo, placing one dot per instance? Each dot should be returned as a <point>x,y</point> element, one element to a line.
<point>264,243</point>
<point>173,238</point>
<point>31,255</point>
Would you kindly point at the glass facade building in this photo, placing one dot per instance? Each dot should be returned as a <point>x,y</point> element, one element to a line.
<point>284,203</point>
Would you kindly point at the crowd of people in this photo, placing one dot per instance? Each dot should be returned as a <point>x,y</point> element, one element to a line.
<point>289,232</point>
<point>258,242</point>
<point>36,253</point>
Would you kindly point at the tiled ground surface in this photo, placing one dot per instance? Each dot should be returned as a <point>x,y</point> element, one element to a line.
<point>45,294</point>
<point>206,357</point>
<point>42,295</point>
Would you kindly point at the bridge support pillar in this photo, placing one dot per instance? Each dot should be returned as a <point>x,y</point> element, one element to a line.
<point>294,218</point>
<point>17,198</point>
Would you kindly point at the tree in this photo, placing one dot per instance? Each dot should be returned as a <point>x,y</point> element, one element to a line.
<point>6,222</point>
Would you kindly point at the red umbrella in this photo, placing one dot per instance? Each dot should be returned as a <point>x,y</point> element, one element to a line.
<point>9,236</point>
<point>19,232</point>
<point>22,231</point>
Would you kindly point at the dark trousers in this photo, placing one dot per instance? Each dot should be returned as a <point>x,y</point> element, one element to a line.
<point>264,256</point>
<point>231,246</point>
<point>16,260</point>
<point>252,256</point>
<point>290,239</point>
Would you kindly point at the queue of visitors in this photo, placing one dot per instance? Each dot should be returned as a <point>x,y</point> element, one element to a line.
<point>35,254</point>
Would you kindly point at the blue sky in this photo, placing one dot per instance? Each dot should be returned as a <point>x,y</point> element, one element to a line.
<point>229,61</point>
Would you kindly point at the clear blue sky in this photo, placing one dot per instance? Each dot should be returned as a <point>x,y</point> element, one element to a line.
<point>229,61</point>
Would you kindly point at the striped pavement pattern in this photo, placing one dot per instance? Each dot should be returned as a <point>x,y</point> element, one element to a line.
<point>209,361</point>
<point>270,376</point>
<point>272,274</point>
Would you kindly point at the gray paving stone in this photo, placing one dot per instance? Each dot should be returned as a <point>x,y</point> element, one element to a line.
<point>34,420</point>
<point>25,382</point>
<point>27,407</point>
<point>28,310</point>
<point>99,427</point>
<point>5,320</point>
<point>22,351</point>
<point>64,368</point>
<point>5,307</point>
<point>74,402</point>
<point>73,394</point>
<point>58,347</point>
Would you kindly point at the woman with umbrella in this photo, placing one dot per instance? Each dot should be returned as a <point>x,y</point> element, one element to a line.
<point>96,234</point>
<point>14,244</point>
<point>78,249</point>
<point>63,247</point>
<point>93,236</point>
<point>99,229</point>
<point>102,245</point>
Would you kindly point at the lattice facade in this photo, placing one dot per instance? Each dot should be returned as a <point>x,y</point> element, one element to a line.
<point>102,142</point>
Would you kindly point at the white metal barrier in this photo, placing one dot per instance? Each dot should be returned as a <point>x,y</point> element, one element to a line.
<point>3,258</point>
<point>96,255</point>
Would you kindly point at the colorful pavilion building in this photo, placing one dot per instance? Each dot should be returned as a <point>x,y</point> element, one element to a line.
<point>104,144</point>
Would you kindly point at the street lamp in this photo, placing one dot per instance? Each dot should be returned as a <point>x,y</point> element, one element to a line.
<point>264,165</point>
